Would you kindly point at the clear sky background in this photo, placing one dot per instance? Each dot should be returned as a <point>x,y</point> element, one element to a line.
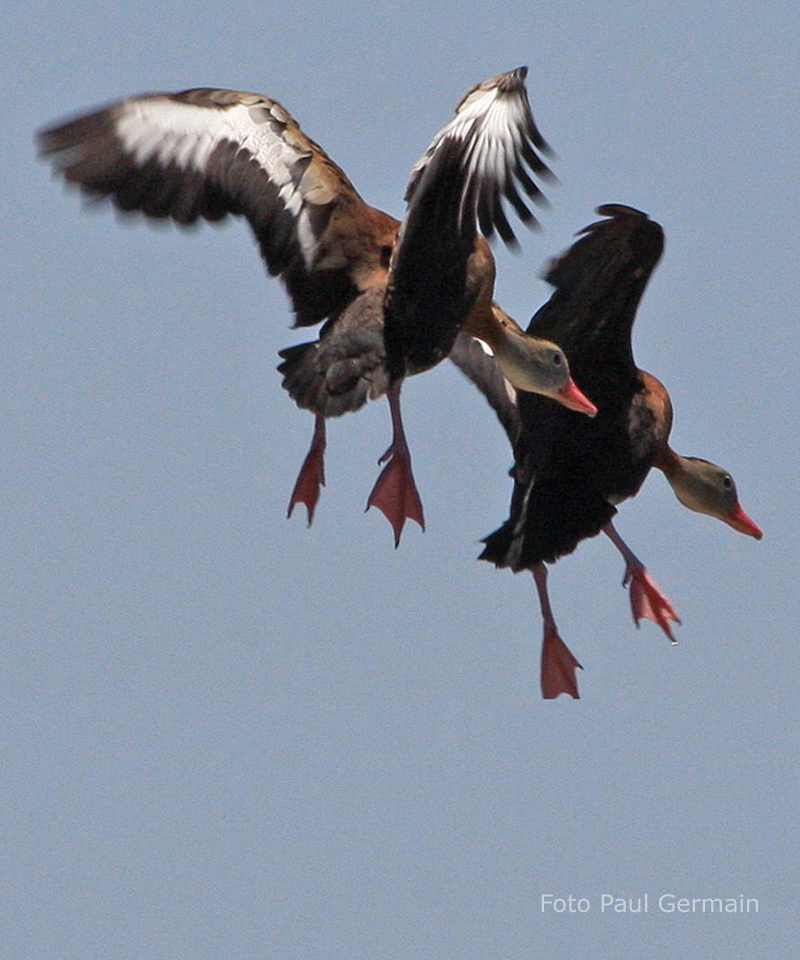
<point>224,736</point>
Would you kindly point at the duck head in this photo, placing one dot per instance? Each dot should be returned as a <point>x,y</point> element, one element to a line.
<point>706,488</point>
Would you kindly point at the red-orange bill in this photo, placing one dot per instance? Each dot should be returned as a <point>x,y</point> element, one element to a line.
<point>572,398</point>
<point>739,520</point>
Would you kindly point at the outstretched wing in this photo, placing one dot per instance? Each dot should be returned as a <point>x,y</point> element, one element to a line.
<point>490,145</point>
<point>441,268</point>
<point>599,282</point>
<point>569,469</point>
<point>207,153</point>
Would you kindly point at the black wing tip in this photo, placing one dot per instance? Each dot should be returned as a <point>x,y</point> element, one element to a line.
<point>53,140</point>
<point>509,82</point>
<point>43,141</point>
<point>624,228</point>
<point>616,210</point>
<point>63,141</point>
<point>620,214</point>
<point>544,147</point>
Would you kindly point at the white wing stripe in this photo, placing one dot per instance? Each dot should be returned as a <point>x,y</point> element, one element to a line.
<point>187,135</point>
<point>495,139</point>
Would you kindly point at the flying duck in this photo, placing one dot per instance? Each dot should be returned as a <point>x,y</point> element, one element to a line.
<point>393,296</point>
<point>571,473</point>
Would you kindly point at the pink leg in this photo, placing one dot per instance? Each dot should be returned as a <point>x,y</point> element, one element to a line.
<point>647,600</point>
<point>312,473</point>
<point>558,664</point>
<point>395,492</point>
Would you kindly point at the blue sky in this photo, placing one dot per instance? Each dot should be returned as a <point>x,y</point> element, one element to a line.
<point>227,735</point>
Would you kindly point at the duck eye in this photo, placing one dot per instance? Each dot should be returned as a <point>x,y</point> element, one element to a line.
<point>727,481</point>
<point>557,359</point>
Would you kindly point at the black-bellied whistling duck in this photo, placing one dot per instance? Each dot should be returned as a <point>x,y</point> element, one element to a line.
<point>207,153</point>
<point>570,472</point>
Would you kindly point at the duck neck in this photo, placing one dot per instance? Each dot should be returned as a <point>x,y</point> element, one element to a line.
<point>670,463</point>
<point>489,323</point>
<point>677,470</point>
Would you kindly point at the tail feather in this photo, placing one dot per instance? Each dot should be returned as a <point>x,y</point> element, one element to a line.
<point>339,372</point>
<point>557,517</point>
<point>498,545</point>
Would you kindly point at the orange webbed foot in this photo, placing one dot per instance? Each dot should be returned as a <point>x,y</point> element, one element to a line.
<point>395,492</point>
<point>312,474</point>
<point>558,668</point>
<point>648,601</point>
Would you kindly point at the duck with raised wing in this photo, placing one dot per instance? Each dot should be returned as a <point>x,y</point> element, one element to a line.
<point>571,473</point>
<point>393,296</point>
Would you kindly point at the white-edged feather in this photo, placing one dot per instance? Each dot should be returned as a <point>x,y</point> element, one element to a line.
<point>495,138</point>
